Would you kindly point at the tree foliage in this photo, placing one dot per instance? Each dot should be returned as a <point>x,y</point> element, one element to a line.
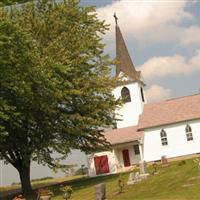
<point>55,84</point>
<point>12,2</point>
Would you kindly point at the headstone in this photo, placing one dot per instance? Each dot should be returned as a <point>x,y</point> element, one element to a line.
<point>164,161</point>
<point>134,178</point>
<point>144,176</point>
<point>143,167</point>
<point>137,177</point>
<point>131,178</point>
<point>100,191</point>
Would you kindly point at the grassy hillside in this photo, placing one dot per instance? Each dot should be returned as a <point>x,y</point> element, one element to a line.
<point>173,182</point>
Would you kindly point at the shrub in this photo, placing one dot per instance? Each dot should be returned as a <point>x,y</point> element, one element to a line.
<point>67,191</point>
<point>45,192</point>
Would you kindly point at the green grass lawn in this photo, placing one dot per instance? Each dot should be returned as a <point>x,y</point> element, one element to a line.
<point>172,182</point>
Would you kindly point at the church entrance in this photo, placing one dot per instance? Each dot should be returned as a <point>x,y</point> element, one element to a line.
<point>126,158</point>
<point>101,164</point>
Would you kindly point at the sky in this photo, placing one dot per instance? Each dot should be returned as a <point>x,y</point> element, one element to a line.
<point>9,175</point>
<point>163,39</point>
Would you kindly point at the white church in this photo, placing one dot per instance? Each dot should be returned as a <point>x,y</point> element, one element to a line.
<point>146,132</point>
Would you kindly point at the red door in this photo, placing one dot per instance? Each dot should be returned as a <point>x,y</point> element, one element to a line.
<point>101,164</point>
<point>126,158</point>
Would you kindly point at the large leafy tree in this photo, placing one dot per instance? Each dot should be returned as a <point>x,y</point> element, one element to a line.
<point>55,84</point>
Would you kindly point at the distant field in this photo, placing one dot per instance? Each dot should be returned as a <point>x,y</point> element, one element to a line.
<point>171,183</point>
<point>39,183</point>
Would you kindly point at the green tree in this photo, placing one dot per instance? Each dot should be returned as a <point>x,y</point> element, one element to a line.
<point>55,84</point>
<point>11,2</point>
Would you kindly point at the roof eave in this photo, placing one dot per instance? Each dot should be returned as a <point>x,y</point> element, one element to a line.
<point>125,142</point>
<point>164,124</point>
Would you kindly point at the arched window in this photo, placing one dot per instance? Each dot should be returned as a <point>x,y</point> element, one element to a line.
<point>126,97</point>
<point>163,137</point>
<point>188,131</point>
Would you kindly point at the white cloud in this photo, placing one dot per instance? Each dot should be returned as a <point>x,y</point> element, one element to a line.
<point>195,61</point>
<point>191,36</point>
<point>147,21</point>
<point>161,67</point>
<point>157,93</point>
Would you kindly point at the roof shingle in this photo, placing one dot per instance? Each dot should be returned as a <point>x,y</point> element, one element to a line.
<point>170,111</point>
<point>123,135</point>
<point>124,62</point>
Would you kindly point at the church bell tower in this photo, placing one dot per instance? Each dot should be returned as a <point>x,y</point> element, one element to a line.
<point>130,89</point>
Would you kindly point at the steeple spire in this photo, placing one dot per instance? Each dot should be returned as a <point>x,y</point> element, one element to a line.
<point>124,62</point>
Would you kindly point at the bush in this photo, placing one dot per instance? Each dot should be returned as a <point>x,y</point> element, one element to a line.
<point>67,191</point>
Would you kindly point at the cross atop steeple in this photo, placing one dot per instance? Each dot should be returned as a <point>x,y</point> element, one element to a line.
<point>116,18</point>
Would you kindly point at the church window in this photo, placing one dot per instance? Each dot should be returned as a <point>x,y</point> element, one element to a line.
<point>163,137</point>
<point>125,94</point>
<point>136,149</point>
<point>142,94</point>
<point>188,131</point>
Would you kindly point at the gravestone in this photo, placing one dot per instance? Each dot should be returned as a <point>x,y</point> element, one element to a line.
<point>143,167</point>
<point>134,178</point>
<point>100,191</point>
<point>143,170</point>
<point>164,161</point>
<point>137,177</point>
<point>131,178</point>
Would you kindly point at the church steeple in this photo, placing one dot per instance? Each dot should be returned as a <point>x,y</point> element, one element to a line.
<point>124,62</point>
<point>130,89</point>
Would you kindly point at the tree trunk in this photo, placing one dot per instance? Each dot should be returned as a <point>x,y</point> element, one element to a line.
<point>24,172</point>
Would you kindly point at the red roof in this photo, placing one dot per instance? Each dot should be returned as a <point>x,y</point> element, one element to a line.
<point>123,135</point>
<point>170,111</point>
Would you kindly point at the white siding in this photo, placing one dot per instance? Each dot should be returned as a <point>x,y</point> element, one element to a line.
<point>177,141</point>
<point>134,159</point>
<point>129,111</point>
<point>111,162</point>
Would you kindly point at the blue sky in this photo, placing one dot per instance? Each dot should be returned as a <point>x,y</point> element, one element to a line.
<point>163,38</point>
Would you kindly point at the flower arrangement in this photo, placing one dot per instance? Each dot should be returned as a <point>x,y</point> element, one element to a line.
<point>19,197</point>
<point>135,168</point>
<point>44,192</point>
<point>153,168</point>
<point>67,191</point>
